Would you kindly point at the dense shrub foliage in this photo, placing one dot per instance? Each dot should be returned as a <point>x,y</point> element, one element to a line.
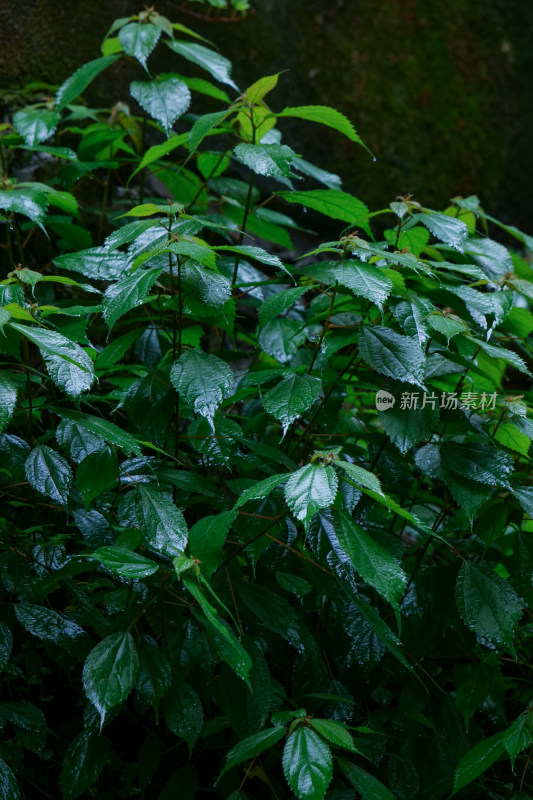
<point>266,518</point>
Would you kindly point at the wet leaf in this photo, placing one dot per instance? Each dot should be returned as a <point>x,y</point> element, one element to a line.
<point>49,473</point>
<point>203,381</point>
<point>307,764</point>
<point>488,604</point>
<point>165,529</point>
<point>125,562</point>
<point>138,40</point>
<point>110,672</point>
<point>166,100</point>
<point>217,66</point>
<point>291,398</point>
<point>309,489</point>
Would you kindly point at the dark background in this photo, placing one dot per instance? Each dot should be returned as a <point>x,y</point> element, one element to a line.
<point>441,91</point>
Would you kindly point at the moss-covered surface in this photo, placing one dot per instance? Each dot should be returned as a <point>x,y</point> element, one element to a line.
<point>441,92</point>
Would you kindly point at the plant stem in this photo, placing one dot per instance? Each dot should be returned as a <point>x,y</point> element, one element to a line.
<point>247,206</point>
<point>326,397</point>
<point>19,240</point>
<point>244,545</point>
<point>244,221</point>
<point>26,353</point>
<point>8,245</point>
<point>143,148</point>
<point>500,420</point>
<point>104,207</point>
<point>324,329</point>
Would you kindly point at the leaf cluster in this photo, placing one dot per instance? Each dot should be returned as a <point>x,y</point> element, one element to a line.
<point>267,514</point>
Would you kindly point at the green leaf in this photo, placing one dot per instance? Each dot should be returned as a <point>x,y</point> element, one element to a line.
<point>361,476</point>
<point>47,624</point>
<point>254,252</point>
<point>328,179</point>
<point>507,355</point>
<point>125,562</point>
<point>278,303</point>
<point>96,262</point>
<point>202,86</point>
<point>110,672</point>
<point>480,305</point>
<point>138,40</point>
<point>493,257</point>
<point>364,280</point>
<point>522,286</point>
<point>202,126</point>
<point>228,646</point>
<point>477,761</point>
<point>147,210</point>
<point>281,338</point>
<point>478,462</point>
<point>509,435</point>
<point>218,66</point>
<point>23,714</point>
<point>448,326</point>
<point>479,682</point>
<point>206,539</point>
<point>309,489</point>
<point>278,615</point>
<point>212,288</point>
<point>291,398</point>
<point>519,735</point>
<point>35,125</point>
<point>488,604</point>
<point>49,473</point>
<point>97,472</point>
<point>28,276</point>
<point>8,783</point>
<point>164,527</point>
<point>32,204</point>
<point>524,495</point>
<point>83,762</point>
<point>271,160</point>
<point>202,380</point>
<point>368,787</point>
<point>519,322</point>
<point>261,87</point>
<point>449,230</point>
<point>307,764</point>
<point>127,293</point>
<point>260,489</point>
<point>325,116</point>
<point>392,354</point>
<point>68,364</point>
<point>114,351</point>
<point>371,560</point>
<point>196,252</point>
<point>335,733</point>
<point>76,84</point>
<point>331,202</point>
<point>110,432</point>
<point>166,100</point>
<point>251,747</point>
<point>8,399</point>
<point>155,673</point>
<point>408,425</point>
<point>184,713</point>
<point>128,233</point>
<point>6,645</point>
<point>158,151</point>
